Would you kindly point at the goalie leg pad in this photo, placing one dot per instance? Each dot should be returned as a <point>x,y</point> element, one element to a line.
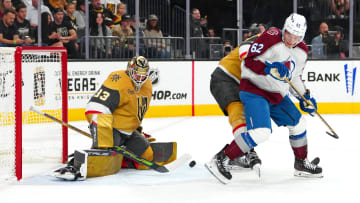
<point>163,153</point>
<point>103,162</point>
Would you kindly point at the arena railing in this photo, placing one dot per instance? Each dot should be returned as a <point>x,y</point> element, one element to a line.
<point>115,47</point>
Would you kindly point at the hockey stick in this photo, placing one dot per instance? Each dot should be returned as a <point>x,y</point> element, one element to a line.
<point>120,150</point>
<point>333,134</point>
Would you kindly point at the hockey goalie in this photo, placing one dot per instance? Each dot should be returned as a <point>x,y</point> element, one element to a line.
<point>115,113</point>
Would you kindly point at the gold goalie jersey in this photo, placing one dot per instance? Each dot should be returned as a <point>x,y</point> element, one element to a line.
<point>117,96</point>
<point>231,63</point>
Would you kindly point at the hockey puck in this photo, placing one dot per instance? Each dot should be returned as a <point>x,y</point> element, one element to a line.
<point>192,163</point>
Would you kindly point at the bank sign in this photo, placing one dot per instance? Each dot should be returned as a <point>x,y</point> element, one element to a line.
<point>333,81</point>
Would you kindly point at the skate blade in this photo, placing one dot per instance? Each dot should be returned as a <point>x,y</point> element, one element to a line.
<point>304,174</point>
<point>257,169</point>
<point>238,168</point>
<point>213,170</point>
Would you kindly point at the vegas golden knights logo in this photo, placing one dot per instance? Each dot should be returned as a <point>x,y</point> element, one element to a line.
<point>39,86</point>
<point>142,104</point>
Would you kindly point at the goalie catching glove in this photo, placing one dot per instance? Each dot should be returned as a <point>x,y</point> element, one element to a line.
<point>276,70</point>
<point>304,106</point>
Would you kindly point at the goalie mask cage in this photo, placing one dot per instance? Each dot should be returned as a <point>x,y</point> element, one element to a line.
<point>32,76</point>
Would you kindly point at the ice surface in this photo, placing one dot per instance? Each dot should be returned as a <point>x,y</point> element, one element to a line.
<point>203,137</point>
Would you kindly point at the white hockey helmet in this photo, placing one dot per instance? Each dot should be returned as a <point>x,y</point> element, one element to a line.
<point>138,70</point>
<point>296,25</point>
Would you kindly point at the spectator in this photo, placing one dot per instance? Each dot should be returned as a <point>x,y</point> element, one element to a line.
<point>58,4</point>
<point>100,47</point>
<point>156,47</point>
<point>198,24</point>
<point>339,8</point>
<point>245,34</point>
<point>70,9</point>
<point>110,4</point>
<point>124,47</point>
<point>109,17</point>
<point>63,34</point>
<point>32,12</point>
<point>120,11</point>
<point>23,26</point>
<point>341,48</point>
<point>79,15</point>
<point>141,35</point>
<point>45,31</point>
<point>211,32</point>
<point>317,45</point>
<point>213,39</point>
<point>5,4</point>
<point>198,28</point>
<point>9,36</point>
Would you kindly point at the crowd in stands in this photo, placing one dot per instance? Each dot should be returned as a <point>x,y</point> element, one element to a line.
<point>112,30</point>
<point>63,25</point>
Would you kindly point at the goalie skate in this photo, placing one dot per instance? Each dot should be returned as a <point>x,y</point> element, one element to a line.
<point>76,168</point>
<point>219,168</point>
<point>305,168</point>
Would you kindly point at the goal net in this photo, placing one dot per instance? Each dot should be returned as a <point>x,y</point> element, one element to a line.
<point>31,76</point>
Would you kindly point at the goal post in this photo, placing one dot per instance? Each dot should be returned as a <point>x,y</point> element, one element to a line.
<point>32,76</point>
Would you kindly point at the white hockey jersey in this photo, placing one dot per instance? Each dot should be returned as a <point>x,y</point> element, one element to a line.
<point>271,48</point>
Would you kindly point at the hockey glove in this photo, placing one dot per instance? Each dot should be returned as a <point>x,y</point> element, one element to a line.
<point>304,105</point>
<point>276,70</point>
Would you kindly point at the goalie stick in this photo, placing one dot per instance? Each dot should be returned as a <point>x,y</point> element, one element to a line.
<point>334,135</point>
<point>126,153</point>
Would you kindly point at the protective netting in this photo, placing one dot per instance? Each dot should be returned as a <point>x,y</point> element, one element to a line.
<point>41,87</point>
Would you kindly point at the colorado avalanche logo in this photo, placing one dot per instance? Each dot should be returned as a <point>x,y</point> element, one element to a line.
<point>290,64</point>
<point>272,31</point>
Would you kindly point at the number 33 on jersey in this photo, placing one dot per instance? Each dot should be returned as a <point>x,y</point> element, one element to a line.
<point>118,96</point>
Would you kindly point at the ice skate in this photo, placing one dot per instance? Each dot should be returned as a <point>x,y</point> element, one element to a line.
<point>219,167</point>
<point>239,163</point>
<point>248,160</point>
<point>305,168</point>
<point>76,169</point>
<point>254,162</point>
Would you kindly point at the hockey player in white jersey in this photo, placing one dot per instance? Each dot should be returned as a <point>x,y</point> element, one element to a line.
<point>276,55</point>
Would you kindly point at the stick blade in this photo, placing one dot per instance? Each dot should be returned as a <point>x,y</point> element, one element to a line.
<point>178,162</point>
<point>334,135</point>
<point>33,108</point>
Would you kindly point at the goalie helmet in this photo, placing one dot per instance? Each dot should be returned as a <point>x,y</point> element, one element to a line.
<point>138,71</point>
<point>296,25</point>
